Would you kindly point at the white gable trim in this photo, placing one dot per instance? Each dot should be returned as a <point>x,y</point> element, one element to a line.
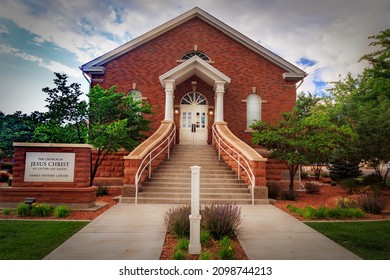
<point>195,66</point>
<point>95,65</point>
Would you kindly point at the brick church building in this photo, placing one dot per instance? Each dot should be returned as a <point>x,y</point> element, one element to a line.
<point>206,83</point>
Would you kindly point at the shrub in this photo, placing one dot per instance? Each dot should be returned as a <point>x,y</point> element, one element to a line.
<point>62,211</point>
<point>183,244</point>
<point>227,250</point>
<point>222,219</point>
<point>372,180</point>
<point>41,209</point>
<point>324,212</point>
<point>351,185</point>
<point>312,188</point>
<point>372,204</point>
<point>304,175</point>
<point>101,191</point>
<point>6,211</point>
<point>177,220</point>
<point>4,177</point>
<point>345,202</point>
<point>273,190</point>
<point>205,237</point>
<point>341,169</point>
<point>288,195</point>
<point>23,210</point>
<point>325,174</point>
<point>205,256</point>
<point>333,183</point>
<point>179,255</point>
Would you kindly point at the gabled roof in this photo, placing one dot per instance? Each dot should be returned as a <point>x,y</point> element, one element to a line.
<point>195,66</point>
<point>96,65</point>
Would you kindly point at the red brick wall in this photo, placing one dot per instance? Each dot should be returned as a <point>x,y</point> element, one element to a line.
<point>247,69</point>
<point>112,165</point>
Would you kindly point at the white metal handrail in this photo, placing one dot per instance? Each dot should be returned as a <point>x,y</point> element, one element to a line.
<point>168,140</point>
<point>246,166</point>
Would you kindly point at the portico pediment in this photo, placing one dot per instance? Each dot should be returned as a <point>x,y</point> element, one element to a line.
<point>195,66</point>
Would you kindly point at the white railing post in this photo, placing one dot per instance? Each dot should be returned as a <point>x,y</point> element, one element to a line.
<point>245,165</point>
<point>195,247</point>
<point>171,137</point>
<point>238,168</point>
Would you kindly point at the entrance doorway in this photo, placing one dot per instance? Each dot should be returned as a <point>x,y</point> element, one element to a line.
<point>193,119</point>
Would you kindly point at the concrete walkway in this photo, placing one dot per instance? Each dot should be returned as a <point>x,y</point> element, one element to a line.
<point>124,232</point>
<point>268,233</point>
<point>137,232</point>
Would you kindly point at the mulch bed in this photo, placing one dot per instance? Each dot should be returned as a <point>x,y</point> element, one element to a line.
<point>171,241</point>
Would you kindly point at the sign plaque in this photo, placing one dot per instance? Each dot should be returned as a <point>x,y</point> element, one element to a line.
<point>49,167</point>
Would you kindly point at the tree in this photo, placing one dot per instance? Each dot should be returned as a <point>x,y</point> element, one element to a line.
<point>67,114</point>
<point>297,140</point>
<point>116,122</point>
<point>17,127</point>
<point>363,102</point>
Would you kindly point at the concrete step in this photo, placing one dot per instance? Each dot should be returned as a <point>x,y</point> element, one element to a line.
<point>203,180</point>
<point>188,190</point>
<point>206,196</point>
<point>149,200</point>
<point>171,181</point>
<point>181,176</point>
<point>187,172</point>
<point>188,185</point>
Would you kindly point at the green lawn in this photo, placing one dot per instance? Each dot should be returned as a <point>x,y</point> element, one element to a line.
<point>33,240</point>
<point>368,240</point>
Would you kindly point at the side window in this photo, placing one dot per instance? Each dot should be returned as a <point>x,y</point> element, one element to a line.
<point>253,109</point>
<point>137,94</point>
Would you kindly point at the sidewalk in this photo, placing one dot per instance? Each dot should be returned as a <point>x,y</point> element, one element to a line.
<point>268,233</point>
<point>137,232</point>
<point>124,232</point>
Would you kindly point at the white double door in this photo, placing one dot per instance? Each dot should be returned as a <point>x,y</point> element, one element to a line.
<point>193,124</point>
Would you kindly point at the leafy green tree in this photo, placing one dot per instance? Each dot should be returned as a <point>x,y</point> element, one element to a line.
<point>297,140</point>
<point>363,103</point>
<point>17,127</point>
<point>67,114</point>
<point>116,122</point>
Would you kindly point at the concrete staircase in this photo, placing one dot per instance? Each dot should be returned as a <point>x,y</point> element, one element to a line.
<point>171,181</point>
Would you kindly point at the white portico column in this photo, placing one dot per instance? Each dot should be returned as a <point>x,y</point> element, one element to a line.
<point>169,89</point>
<point>219,88</point>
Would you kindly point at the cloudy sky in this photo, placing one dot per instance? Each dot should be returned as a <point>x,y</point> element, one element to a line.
<point>325,38</point>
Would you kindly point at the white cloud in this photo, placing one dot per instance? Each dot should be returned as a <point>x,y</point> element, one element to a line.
<point>53,66</point>
<point>334,33</point>
<point>3,29</point>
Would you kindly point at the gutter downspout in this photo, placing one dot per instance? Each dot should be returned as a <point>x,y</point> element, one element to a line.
<point>89,81</point>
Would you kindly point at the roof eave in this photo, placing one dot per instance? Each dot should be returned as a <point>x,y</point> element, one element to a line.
<point>195,12</point>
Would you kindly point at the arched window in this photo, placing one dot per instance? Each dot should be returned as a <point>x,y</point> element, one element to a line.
<point>137,94</point>
<point>253,109</point>
<point>190,54</point>
<point>194,98</point>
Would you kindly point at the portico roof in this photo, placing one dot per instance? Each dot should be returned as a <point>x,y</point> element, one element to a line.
<point>195,66</point>
<point>96,66</point>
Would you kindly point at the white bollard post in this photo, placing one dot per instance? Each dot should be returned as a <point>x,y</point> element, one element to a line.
<point>194,247</point>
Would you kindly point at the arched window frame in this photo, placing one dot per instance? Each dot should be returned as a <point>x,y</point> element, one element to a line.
<point>253,109</point>
<point>137,94</point>
<point>194,98</point>
<point>190,54</point>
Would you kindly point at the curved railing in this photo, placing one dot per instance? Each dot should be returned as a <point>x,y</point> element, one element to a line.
<point>150,156</point>
<point>242,162</point>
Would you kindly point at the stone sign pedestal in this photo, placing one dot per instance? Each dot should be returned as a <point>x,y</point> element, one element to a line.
<point>51,173</point>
